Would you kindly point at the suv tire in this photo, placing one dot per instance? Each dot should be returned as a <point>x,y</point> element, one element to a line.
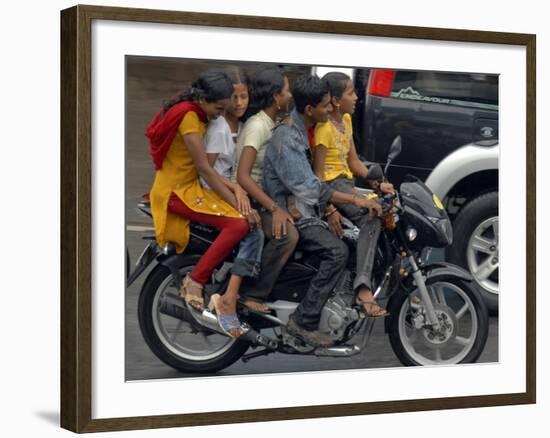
<point>475,245</point>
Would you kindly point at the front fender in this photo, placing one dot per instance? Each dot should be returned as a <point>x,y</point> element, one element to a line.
<point>446,269</point>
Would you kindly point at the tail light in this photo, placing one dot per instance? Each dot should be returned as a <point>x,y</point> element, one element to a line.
<point>380,82</point>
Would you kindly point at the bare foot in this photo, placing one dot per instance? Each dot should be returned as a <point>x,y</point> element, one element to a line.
<point>255,306</point>
<point>365,298</point>
<point>225,306</point>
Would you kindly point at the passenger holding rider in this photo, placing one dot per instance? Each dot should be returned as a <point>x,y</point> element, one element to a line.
<point>270,101</point>
<point>336,163</point>
<point>288,172</point>
<point>177,196</point>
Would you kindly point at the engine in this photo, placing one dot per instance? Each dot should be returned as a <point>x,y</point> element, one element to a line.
<point>337,315</point>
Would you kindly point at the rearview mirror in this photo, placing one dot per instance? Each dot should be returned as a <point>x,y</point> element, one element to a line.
<point>395,148</point>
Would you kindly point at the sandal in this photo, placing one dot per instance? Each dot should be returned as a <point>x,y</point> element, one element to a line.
<point>191,293</point>
<point>229,324</point>
<point>254,306</point>
<point>376,311</point>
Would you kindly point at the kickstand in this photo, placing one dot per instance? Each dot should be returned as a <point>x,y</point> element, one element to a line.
<point>367,330</point>
<point>246,357</point>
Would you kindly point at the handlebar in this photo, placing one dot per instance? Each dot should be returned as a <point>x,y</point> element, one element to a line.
<point>388,202</point>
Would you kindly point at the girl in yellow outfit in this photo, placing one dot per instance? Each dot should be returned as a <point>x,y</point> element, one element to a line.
<point>336,162</point>
<point>177,196</point>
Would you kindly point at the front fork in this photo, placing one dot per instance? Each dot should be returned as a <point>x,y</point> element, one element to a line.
<point>424,294</point>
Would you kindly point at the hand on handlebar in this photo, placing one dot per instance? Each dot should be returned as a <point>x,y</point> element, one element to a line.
<point>375,209</point>
<point>387,187</point>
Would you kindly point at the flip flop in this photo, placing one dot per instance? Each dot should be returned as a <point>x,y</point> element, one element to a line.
<point>379,311</point>
<point>227,323</point>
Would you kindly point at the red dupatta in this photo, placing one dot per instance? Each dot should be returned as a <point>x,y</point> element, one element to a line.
<point>163,129</point>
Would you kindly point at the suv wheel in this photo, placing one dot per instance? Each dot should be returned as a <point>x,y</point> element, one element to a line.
<point>476,245</point>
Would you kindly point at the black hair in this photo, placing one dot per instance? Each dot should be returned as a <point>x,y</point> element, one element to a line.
<point>309,90</point>
<point>211,85</point>
<point>337,82</point>
<point>237,76</point>
<point>265,83</point>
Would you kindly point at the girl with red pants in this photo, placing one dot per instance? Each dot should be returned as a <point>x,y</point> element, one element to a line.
<point>177,196</point>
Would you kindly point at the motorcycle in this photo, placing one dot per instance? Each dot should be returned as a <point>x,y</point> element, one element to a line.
<point>436,314</point>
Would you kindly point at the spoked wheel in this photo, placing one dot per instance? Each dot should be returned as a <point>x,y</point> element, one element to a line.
<point>179,341</point>
<point>463,320</point>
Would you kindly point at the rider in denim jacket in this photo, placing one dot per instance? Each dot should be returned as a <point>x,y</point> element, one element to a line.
<point>287,171</point>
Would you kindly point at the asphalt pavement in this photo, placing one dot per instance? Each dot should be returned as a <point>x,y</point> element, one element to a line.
<point>142,364</point>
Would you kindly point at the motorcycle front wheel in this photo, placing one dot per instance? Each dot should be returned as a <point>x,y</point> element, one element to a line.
<point>463,318</point>
<point>176,341</point>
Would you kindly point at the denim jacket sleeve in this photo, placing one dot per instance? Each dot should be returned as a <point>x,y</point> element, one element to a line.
<point>272,185</point>
<point>293,169</point>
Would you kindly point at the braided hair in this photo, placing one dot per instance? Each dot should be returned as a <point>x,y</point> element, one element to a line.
<point>211,85</point>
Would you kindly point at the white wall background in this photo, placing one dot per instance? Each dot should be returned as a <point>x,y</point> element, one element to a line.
<point>29,99</point>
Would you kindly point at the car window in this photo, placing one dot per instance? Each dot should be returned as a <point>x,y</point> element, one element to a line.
<point>465,89</point>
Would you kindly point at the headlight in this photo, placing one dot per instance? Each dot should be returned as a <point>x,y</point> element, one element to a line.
<point>411,234</point>
<point>445,228</point>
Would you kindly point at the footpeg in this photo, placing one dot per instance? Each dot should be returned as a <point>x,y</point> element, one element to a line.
<point>258,339</point>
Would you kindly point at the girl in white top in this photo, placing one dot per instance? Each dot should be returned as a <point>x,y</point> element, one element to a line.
<point>220,145</point>
<point>219,140</point>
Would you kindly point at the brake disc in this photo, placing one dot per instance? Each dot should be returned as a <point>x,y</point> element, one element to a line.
<point>447,331</point>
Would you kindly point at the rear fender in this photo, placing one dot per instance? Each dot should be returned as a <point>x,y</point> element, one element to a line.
<point>175,262</point>
<point>149,254</point>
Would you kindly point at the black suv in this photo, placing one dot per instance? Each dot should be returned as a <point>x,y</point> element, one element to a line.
<point>449,126</point>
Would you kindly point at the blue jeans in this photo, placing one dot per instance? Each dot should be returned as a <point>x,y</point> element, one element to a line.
<point>249,257</point>
<point>370,229</point>
<point>333,252</point>
<point>274,256</point>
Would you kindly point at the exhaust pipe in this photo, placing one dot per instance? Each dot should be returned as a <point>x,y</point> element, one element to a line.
<point>173,305</point>
<point>342,351</point>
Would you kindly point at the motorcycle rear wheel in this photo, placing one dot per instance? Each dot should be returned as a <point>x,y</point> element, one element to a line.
<point>460,310</point>
<point>173,340</point>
